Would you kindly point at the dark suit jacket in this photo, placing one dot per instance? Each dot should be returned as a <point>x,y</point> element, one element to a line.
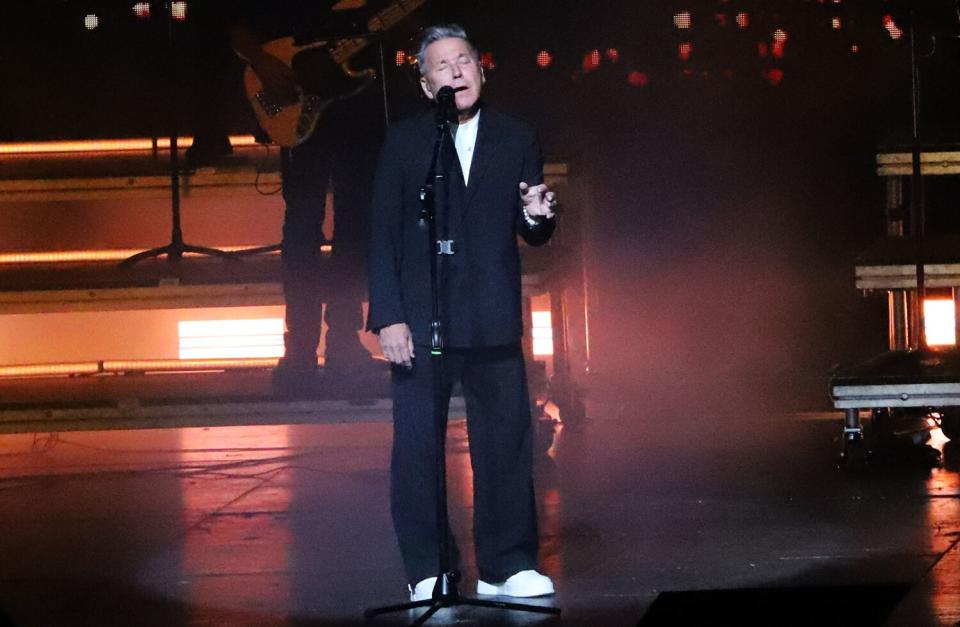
<point>481,290</point>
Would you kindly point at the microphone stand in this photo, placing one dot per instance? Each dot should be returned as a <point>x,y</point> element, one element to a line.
<point>177,247</point>
<point>445,593</point>
<point>918,216</point>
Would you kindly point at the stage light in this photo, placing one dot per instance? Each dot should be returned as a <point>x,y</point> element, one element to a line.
<point>542,333</point>
<point>613,54</point>
<point>682,20</point>
<point>91,22</point>
<point>591,61</point>
<point>890,25</point>
<point>939,324</point>
<point>836,23</point>
<point>68,256</point>
<point>762,49</point>
<point>109,145</point>
<point>184,365</point>
<point>50,370</point>
<point>400,58</point>
<point>684,50</point>
<point>544,59</point>
<point>142,10</point>
<point>743,19</point>
<point>231,339</point>
<point>178,10</point>
<point>780,35</point>
<point>722,19</point>
<point>777,49</point>
<point>134,365</point>
<point>855,48</point>
<point>109,254</point>
<point>638,79</point>
<point>775,76</point>
<point>486,60</point>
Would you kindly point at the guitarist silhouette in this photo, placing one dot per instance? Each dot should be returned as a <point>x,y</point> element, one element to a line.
<point>340,148</point>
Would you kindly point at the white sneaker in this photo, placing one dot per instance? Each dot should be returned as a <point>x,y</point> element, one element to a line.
<point>423,591</point>
<point>526,583</point>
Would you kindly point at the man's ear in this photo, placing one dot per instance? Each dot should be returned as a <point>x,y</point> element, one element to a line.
<point>425,86</point>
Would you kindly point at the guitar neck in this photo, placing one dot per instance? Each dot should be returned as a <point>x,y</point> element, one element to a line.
<point>383,20</point>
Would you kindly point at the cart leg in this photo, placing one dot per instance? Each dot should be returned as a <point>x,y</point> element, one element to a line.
<point>852,433</point>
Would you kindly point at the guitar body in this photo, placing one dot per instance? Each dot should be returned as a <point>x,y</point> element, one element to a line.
<point>323,82</point>
<point>322,77</point>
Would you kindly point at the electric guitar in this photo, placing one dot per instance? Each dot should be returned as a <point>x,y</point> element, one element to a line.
<point>323,74</point>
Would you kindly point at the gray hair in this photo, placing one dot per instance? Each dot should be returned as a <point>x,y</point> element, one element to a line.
<point>438,32</point>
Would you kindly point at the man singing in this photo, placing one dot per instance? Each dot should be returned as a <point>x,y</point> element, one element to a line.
<point>494,191</point>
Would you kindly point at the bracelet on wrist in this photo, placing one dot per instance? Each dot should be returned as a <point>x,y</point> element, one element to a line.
<point>531,221</point>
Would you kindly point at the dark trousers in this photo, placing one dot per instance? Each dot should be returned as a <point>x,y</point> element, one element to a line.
<point>335,155</point>
<point>499,428</point>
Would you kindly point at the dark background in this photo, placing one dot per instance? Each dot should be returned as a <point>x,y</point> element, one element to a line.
<point>726,211</point>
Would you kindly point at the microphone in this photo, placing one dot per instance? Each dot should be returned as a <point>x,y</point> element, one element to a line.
<point>446,104</point>
<point>446,94</point>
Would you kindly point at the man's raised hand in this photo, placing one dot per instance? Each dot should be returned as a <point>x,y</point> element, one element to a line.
<point>538,200</point>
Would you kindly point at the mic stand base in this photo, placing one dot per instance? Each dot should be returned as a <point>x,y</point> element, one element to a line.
<point>445,595</point>
<point>259,250</point>
<point>174,253</point>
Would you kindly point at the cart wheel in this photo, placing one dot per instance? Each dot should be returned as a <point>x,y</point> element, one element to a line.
<point>950,423</point>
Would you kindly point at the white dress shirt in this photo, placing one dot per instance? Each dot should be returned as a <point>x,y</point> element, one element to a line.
<point>465,138</point>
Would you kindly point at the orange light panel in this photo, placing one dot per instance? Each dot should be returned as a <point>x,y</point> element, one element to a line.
<point>591,60</point>
<point>836,23</point>
<point>117,254</point>
<point>743,19</point>
<point>142,10</point>
<point>682,20</point>
<point>938,317</point>
<point>684,50</point>
<point>638,79</point>
<point>892,29</point>
<point>50,370</point>
<point>231,339</point>
<point>91,21</point>
<point>182,365</point>
<point>542,334</point>
<point>133,365</point>
<point>109,145</point>
<point>178,10</point>
<point>400,58</point>
<point>544,59</point>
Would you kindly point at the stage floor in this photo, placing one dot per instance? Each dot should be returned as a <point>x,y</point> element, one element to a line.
<point>288,524</point>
